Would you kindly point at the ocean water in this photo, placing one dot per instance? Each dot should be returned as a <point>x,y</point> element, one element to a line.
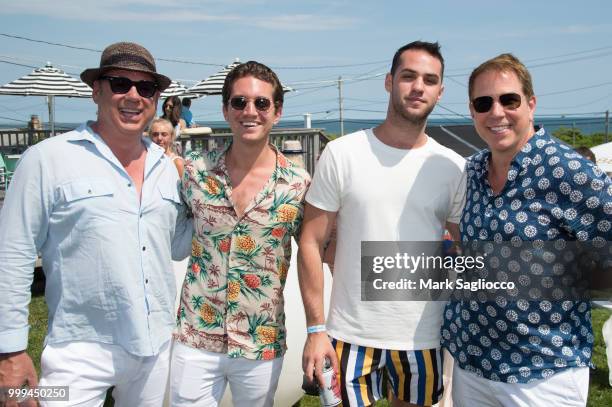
<point>587,125</point>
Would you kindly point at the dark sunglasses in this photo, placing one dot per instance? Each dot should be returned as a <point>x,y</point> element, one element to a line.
<point>121,85</point>
<point>483,104</point>
<point>261,103</point>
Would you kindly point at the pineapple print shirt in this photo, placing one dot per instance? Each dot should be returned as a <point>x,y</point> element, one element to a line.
<point>232,297</point>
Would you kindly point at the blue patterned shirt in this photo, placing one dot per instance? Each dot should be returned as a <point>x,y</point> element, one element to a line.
<point>551,194</point>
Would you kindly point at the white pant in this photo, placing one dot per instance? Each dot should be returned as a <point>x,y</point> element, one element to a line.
<point>606,330</point>
<point>569,387</point>
<point>199,378</point>
<point>89,369</point>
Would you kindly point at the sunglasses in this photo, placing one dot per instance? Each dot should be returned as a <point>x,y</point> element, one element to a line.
<point>121,85</point>
<point>483,104</point>
<point>261,103</point>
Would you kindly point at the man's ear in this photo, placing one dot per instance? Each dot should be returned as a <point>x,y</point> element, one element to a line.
<point>440,94</point>
<point>388,82</point>
<point>278,113</point>
<point>96,91</point>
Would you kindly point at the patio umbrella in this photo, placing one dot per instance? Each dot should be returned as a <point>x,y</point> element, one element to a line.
<point>213,84</point>
<point>50,82</point>
<point>177,89</point>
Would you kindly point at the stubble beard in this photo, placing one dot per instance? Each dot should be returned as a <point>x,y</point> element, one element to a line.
<point>416,119</point>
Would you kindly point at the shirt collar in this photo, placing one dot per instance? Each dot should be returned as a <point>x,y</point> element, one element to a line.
<point>281,163</point>
<point>85,133</point>
<point>521,160</point>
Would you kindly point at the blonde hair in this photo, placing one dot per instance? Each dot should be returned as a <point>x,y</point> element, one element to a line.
<point>504,63</point>
<point>168,124</point>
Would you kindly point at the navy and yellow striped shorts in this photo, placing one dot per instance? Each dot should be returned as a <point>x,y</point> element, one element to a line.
<point>414,375</point>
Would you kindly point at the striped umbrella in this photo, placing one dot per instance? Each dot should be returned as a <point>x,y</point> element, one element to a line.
<point>214,84</point>
<point>50,82</point>
<point>178,89</point>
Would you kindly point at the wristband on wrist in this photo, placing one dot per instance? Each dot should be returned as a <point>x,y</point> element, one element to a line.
<point>315,328</point>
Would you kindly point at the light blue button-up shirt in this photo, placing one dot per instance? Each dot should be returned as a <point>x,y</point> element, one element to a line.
<point>106,254</point>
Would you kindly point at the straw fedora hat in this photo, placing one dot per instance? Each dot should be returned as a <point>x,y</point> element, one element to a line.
<point>128,56</point>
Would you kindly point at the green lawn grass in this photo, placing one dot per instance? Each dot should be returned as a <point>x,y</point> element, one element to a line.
<point>38,329</point>
<point>600,392</point>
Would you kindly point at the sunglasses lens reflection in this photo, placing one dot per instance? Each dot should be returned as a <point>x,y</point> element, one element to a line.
<point>261,103</point>
<point>482,104</point>
<point>509,101</point>
<point>238,103</point>
<point>121,85</point>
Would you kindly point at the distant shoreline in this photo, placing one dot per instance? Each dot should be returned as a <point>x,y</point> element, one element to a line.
<point>587,125</point>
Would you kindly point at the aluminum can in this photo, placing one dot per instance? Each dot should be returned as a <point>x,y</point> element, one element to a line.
<point>329,390</point>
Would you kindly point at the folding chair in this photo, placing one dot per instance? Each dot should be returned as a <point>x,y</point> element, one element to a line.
<point>5,173</point>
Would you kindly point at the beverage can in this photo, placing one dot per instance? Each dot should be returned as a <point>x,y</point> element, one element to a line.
<point>329,390</point>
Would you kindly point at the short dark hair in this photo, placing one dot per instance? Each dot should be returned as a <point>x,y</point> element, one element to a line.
<point>186,102</point>
<point>432,48</point>
<point>586,153</point>
<point>175,115</point>
<point>256,70</point>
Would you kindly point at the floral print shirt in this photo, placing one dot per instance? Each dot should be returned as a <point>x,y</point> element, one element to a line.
<point>232,297</point>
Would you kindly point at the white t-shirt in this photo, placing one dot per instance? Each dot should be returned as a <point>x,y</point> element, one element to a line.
<point>382,193</point>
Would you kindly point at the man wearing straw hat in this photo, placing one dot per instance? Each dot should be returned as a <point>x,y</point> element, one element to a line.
<point>101,205</point>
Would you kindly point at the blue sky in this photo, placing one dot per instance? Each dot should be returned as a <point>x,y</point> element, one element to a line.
<point>566,44</point>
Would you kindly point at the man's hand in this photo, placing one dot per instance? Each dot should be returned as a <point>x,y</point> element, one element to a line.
<point>316,349</point>
<point>17,369</point>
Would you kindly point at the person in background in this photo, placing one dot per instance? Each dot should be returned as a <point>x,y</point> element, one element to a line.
<point>526,187</point>
<point>101,204</point>
<point>162,134</point>
<point>186,114</point>
<point>171,111</point>
<point>247,202</point>
<point>586,153</point>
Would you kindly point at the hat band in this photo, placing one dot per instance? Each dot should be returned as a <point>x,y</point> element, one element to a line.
<point>121,59</point>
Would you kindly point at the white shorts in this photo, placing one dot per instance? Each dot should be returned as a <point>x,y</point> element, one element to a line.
<point>89,369</point>
<point>568,388</point>
<point>199,378</point>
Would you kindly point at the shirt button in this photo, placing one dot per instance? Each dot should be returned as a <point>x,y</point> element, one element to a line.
<point>89,191</point>
<point>147,281</point>
<point>129,184</point>
<point>144,248</point>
